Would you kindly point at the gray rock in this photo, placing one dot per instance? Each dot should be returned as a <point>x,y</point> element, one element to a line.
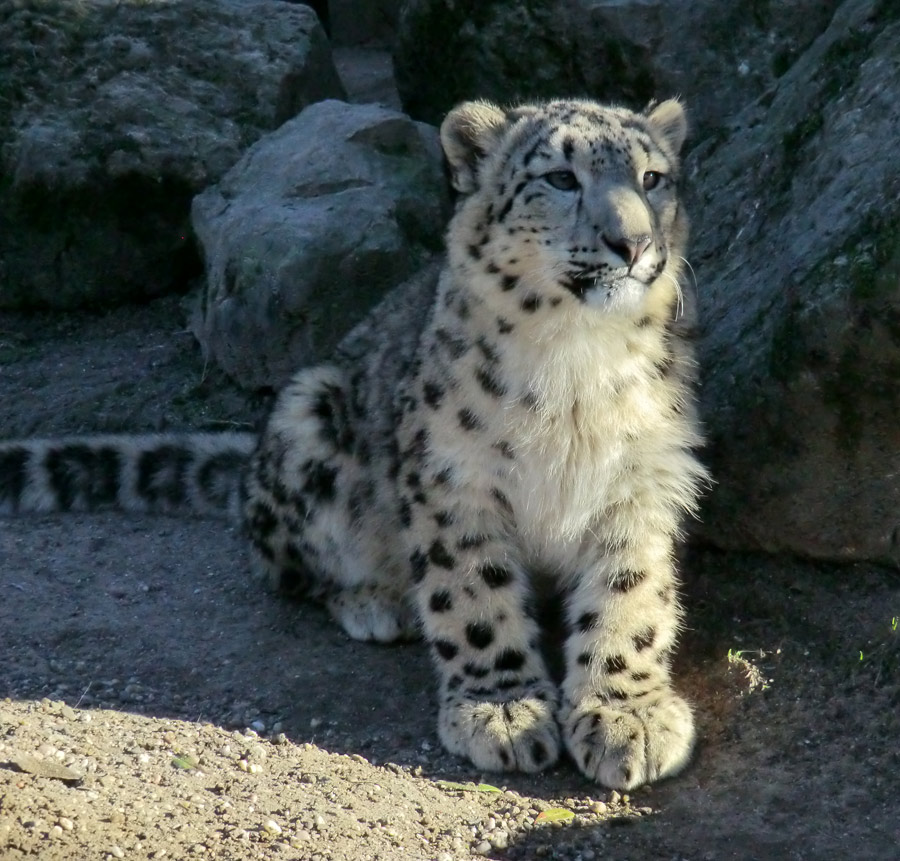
<point>113,115</point>
<point>314,224</point>
<point>797,253</point>
<point>717,54</point>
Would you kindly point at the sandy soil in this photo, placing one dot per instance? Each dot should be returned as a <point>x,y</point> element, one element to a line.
<point>158,703</point>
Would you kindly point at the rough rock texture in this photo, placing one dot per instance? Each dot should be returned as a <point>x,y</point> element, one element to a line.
<point>718,54</point>
<point>310,228</point>
<point>114,114</point>
<point>797,252</point>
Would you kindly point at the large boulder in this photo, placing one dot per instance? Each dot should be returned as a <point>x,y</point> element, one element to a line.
<point>114,114</point>
<point>718,54</point>
<point>314,224</point>
<point>797,253</point>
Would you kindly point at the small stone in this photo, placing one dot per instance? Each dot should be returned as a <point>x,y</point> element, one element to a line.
<point>56,831</point>
<point>66,823</point>
<point>258,726</point>
<point>117,852</point>
<point>499,840</point>
<point>271,826</point>
<point>598,807</point>
<point>614,797</point>
<point>483,848</point>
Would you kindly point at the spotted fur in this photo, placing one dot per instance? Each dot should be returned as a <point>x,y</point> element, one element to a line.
<point>528,430</point>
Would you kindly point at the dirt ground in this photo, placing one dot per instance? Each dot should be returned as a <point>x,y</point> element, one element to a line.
<point>158,703</point>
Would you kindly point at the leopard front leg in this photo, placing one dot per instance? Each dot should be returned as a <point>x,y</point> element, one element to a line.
<point>622,722</point>
<point>497,703</point>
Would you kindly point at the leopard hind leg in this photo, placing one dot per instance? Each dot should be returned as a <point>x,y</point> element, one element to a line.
<point>314,516</point>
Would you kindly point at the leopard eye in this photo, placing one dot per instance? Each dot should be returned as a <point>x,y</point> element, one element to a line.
<point>652,178</point>
<point>564,180</point>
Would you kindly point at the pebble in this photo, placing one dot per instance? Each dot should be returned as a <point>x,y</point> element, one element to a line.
<point>66,823</point>
<point>271,826</point>
<point>483,848</point>
<point>499,840</point>
<point>117,852</point>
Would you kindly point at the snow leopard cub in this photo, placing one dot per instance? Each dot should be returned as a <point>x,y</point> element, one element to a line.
<point>534,429</point>
<point>527,428</point>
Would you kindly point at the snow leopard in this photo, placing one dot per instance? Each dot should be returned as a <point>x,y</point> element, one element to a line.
<point>519,428</point>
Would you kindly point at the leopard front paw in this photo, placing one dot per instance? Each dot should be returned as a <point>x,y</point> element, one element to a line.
<point>369,613</point>
<point>519,735</point>
<point>626,745</point>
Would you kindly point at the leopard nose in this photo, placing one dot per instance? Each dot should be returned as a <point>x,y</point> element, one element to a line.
<point>629,248</point>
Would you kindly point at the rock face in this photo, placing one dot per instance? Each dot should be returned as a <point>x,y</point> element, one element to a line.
<point>717,54</point>
<point>796,247</point>
<point>308,231</point>
<point>113,115</point>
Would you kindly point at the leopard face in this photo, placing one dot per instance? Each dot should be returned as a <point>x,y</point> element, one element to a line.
<point>569,201</point>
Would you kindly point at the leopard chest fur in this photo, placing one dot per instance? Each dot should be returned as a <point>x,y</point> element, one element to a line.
<point>563,425</point>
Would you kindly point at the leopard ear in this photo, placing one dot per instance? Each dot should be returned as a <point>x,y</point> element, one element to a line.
<point>469,132</point>
<point>669,120</point>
